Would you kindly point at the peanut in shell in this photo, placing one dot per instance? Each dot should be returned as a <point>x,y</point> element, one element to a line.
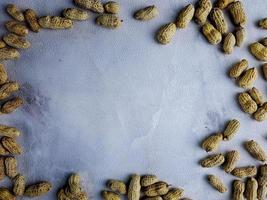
<point>202,11</point>
<point>212,35</point>
<point>109,21</point>
<point>134,188</point>
<point>251,189</point>
<point>117,186</point>
<point>255,150</point>
<point>259,51</point>
<point>8,53</point>
<point>218,20</point>
<point>243,172</point>
<point>55,22</point>
<point>11,145</point>
<point>240,36</point>
<point>112,7</point>
<point>166,33</point>
<point>3,74</point>
<point>174,193</point>
<point>17,27</point>
<point>248,78</point>
<point>92,5</point>
<point>32,21</point>
<point>231,159</point>
<point>212,142</point>
<point>261,113</point>
<point>217,183</point>
<point>38,189</point>
<point>229,43</point>
<point>75,14</point>
<point>14,12</point>
<point>238,190</point>
<point>247,104</point>
<point>148,179</point>
<point>238,14</point>
<point>11,167</point>
<point>185,16</point>
<point>214,160</point>
<point>146,13</point>
<point>156,189</point>
<point>11,105</point>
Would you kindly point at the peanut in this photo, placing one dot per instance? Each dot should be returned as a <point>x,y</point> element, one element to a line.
<point>222,4</point>
<point>166,33</point>
<point>255,150</point>
<point>238,14</point>
<point>75,14</point>
<point>264,69</point>
<point>212,35</point>
<point>38,189</point>
<point>93,5</point>
<point>9,131</point>
<point>112,7</point>
<point>153,198</point>
<point>218,19</point>
<point>231,158</point>
<point>17,28</point>
<point>229,43</point>
<point>134,187</point>
<point>156,189</point>
<point>109,21</point>
<point>16,41</point>
<point>80,196</point>
<point>202,11</point>
<point>11,145</point>
<point>14,12</point>
<point>251,189</point>
<point>263,170</point>
<point>19,185</point>
<point>3,74</point>
<point>240,36</point>
<point>55,22</point>
<point>11,105</point>
<point>185,16</point>
<point>259,51</point>
<point>74,183</point>
<point>107,195</point>
<point>214,160</point>
<point>262,187</point>
<point>146,13</point>
<point>11,167</point>
<point>238,190</point>
<point>256,96</point>
<point>247,104</point>
<point>5,194</point>
<point>2,168</point>
<point>212,142</point>
<point>263,23</point>
<point>7,89</point>
<point>243,172</point>
<point>217,183</point>
<point>231,129</point>
<point>7,53</point>
<point>174,193</point>
<point>149,179</point>
<point>238,68</point>
<point>3,151</point>
<point>117,186</point>
<point>62,196</point>
<point>31,19</point>
<point>2,44</point>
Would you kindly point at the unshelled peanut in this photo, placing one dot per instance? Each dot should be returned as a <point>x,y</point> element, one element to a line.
<point>218,20</point>
<point>238,13</point>
<point>11,105</point>
<point>255,150</point>
<point>185,16</point>
<point>92,5</point>
<point>146,13</point>
<point>38,189</point>
<point>240,36</point>
<point>112,7</point>
<point>217,183</point>
<point>238,190</point>
<point>109,21</point>
<point>211,34</point>
<point>231,129</point>
<point>55,22</point>
<point>213,161</point>
<point>248,78</point>
<point>243,172</point>
<point>31,19</point>
<point>117,186</point>
<point>231,159</point>
<point>17,27</point>
<point>251,189</point>
<point>14,12</point>
<point>229,43</point>
<point>8,53</point>
<point>148,179</point>
<point>174,193</point>
<point>202,11</point>
<point>156,189</point>
<point>134,188</point>
<point>212,142</point>
<point>75,14</point>
<point>259,51</point>
<point>166,33</point>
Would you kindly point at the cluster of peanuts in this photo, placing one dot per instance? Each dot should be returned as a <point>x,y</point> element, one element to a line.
<point>9,148</point>
<point>147,187</point>
<point>256,183</point>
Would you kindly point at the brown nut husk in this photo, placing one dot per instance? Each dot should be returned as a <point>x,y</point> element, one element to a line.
<point>32,21</point>
<point>146,13</point>
<point>74,184</point>
<point>212,35</point>
<point>247,104</point>
<point>243,172</point>
<point>251,189</point>
<point>7,89</point>
<point>222,4</point>
<point>16,41</point>
<point>214,160</point>
<point>17,28</point>
<point>231,129</point>
<point>19,185</point>
<point>156,189</point>
<point>62,196</point>
<point>11,145</point>
<point>212,142</point>
<point>262,187</point>
<point>240,36</point>
<point>3,74</point>
<point>9,131</point>
<point>256,95</point>
<point>75,14</point>
<point>259,51</point>
<point>202,11</point>
<point>112,7</point>
<point>108,195</point>
<point>8,53</point>
<point>231,159</point>
<point>174,193</point>
<point>166,33</point>
<point>109,21</point>
<point>148,179</point>
<point>229,43</point>
<point>11,167</point>
<point>185,16</point>
<point>11,105</point>
<point>255,150</point>
<point>55,22</point>
<point>218,20</point>
<point>238,190</point>
<point>92,5</point>
<point>238,14</point>
<point>261,113</point>
<point>117,186</point>
<point>14,12</point>
<point>134,188</point>
<point>217,183</point>
<point>38,189</point>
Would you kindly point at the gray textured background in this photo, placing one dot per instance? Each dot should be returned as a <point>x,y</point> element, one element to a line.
<point>109,103</point>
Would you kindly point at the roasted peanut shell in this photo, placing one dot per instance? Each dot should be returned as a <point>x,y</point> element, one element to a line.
<point>17,27</point>
<point>3,74</point>
<point>211,34</point>
<point>166,33</point>
<point>55,22</point>
<point>259,51</point>
<point>247,104</point>
<point>117,186</point>
<point>262,187</point>
<point>240,36</point>
<point>202,11</point>
<point>11,167</point>
<point>11,145</point>
<point>238,190</point>
<point>263,23</point>
<point>74,184</point>
<point>255,150</point>
<point>213,161</point>
<point>156,189</point>
<point>251,189</point>
<point>109,21</point>
<point>112,7</point>
<point>146,13</point>
<point>243,172</point>
<point>231,159</point>
<point>217,183</point>
<point>2,44</point>
<point>2,168</point>
<point>256,95</point>
<point>229,43</point>
<point>248,78</point>
<point>264,69</point>
<point>62,196</point>
<point>38,189</point>
<point>174,193</point>
<point>231,129</point>
<point>31,19</point>
<point>108,195</point>
<point>263,170</point>
<point>7,89</point>
<point>92,5</point>
<point>261,113</point>
<point>212,142</point>
<point>14,12</point>
<point>75,14</point>
<point>222,4</point>
<point>148,179</point>
<point>218,20</point>
<point>9,131</point>
<point>5,194</point>
<point>8,53</point>
<point>16,41</point>
<point>134,188</point>
<point>185,16</point>
<point>11,105</point>
<point>19,185</point>
<point>238,14</point>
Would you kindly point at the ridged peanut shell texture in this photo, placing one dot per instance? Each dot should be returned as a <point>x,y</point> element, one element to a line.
<point>174,193</point>
<point>212,142</point>
<point>231,129</point>
<point>248,78</point>
<point>16,41</point>
<point>238,190</point>
<point>75,14</point>
<point>55,22</point>
<point>109,21</point>
<point>17,28</point>
<point>19,185</point>
<point>185,16</point>
<point>213,161</point>
<point>261,113</point>
<point>217,183</point>
<point>7,89</point>
<point>14,12</point>
<point>251,189</point>
<point>148,179</point>
<point>31,19</point>
<point>222,4</point>
<point>263,23</point>
<point>256,95</point>
<point>212,35</point>
<point>264,70</point>
<point>218,20</point>
<point>259,51</point>
<point>8,53</point>
<point>134,188</point>
<point>255,150</point>
<point>11,167</point>
<point>229,43</point>
<point>231,159</point>
<point>93,5</point>
<point>166,33</point>
<point>247,104</point>
<point>156,189</point>
<point>240,36</point>
<point>5,194</point>
<point>112,7</point>
<point>11,145</point>
<point>146,13</point>
<point>38,189</point>
<point>9,131</point>
<point>243,172</point>
<point>202,11</point>
<point>108,195</point>
<point>238,14</point>
<point>117,186</point>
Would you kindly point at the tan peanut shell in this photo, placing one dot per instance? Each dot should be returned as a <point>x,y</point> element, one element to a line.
<point>231,159</point>
<point>2,168</point>
<point>259,51</point>
<point>156,189</point>
<point>238,190</point>
<point>74,183</point>
<point>174,193</point>
<point>222,4</point>
<point>62,196</point>
<point>238,14</point>
<point>213,161</point>
<point>117,186</point>
<point>240,36</point>
<point>261,113</point>
<point>5,194</point>
<point>92,5</point>
<point>3,151</point>
<point>112,7</point>
<point>75,14</point>
<point>11,167</point>
<point>212,142</point>
<point>251,189</point>
<point>212,35</point>
<point>264,69</point>
<point>38,189</point>
<point>11,105</point>
<point>263,170</point>
<point>166,33</point>
<point>148,179</point>
<point>238,68</point>
<point>80,196</point>
<point>31,19</point>
<point>14,12</point>
<point>134,188</point>
<point>185,16</point>
<point>255,150</point>
<point>247,104</point>
<point>231,129</point>
<point>217,183</point>
<point>16,41</point>
<point>109,21</point>
<point>8,53</point>
<point>19,185</point>
<point>9,131</point>
<point>229,43</point>
<point>2,44</point>
<point>55,22</point>
<point>11,145</point>
<point>262,187</point>
<point>218,20</point>
<point>243,172</point>
<point>108,195</point>
<point>153,198</point>
<point>3,74</point>
<point>256,95</point>
<point>263,23</point>
<point>202,11</point>
<point>7,89</point>
<point>146,13</point>
<point>17,28</point>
